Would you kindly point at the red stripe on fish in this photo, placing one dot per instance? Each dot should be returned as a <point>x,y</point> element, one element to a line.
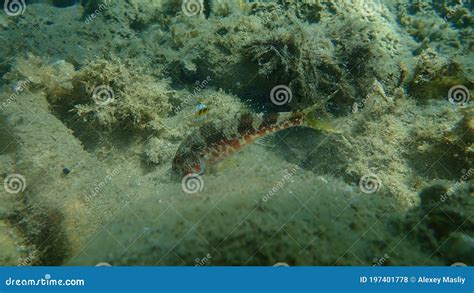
<point>211,143</point>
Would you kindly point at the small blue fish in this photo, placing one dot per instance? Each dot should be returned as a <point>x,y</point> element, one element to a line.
<point>200,112</point>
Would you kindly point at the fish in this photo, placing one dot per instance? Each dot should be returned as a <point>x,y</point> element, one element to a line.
<point>200,111</point>
<point>214,141</point>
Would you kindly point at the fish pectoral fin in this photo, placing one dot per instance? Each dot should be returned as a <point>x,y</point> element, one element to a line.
<point>266,141</point>
<point>323,124</point>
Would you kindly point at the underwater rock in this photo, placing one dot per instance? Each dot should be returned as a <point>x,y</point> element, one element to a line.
<point>444,218</point>
<point>64,3</point>
<point>44,230</point>
<point>233,223</point>
<point>459,247</point>
<point>434,76</point>
<point>465,136</point>
<point>10,241</point>
<point>431,196</point>
<point>253,53</point>
<point>54,77</point>
<point>159,151</point>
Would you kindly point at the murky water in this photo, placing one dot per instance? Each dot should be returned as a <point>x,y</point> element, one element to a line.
<point>236,133</point>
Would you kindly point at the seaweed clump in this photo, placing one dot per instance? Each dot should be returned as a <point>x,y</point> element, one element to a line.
<point>106,94</point>
<point>113,94</point>
<point>435,75</point>
<point>323,57</point>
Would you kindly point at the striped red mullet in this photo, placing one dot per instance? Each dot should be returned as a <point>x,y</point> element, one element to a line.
<point>213,142</point>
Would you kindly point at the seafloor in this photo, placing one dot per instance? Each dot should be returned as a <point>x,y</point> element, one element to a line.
<point>96,96</point>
